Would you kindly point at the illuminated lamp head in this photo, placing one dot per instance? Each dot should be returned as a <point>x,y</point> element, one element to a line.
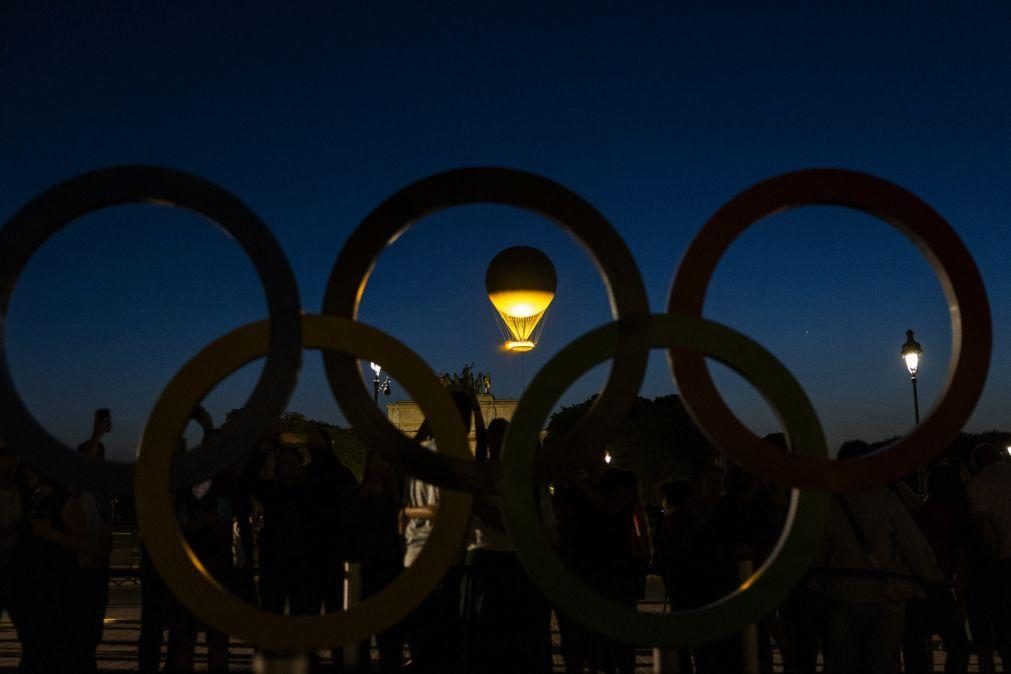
<point>521,283</point>
<point>911,353</point>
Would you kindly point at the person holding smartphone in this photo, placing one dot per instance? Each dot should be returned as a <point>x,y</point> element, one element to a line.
<point>102,425</point>
<point>93,558</point>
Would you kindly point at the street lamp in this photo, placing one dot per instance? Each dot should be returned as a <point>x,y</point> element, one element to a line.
<point>911,353</point>
<point>378,384</point>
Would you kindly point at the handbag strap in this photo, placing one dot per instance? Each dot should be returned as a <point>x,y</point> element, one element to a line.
<point>857,529</point>
<point>876,571</point>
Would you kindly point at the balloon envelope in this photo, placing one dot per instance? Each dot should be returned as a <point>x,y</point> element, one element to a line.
<point>521,283</point>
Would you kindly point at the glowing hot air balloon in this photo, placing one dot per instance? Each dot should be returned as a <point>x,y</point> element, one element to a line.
<point>521,283</point>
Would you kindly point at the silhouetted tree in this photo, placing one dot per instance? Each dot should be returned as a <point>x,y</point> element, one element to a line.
<point>658,441</point>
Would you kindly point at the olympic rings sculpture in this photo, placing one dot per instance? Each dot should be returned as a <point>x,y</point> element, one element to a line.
<point>688,338</point>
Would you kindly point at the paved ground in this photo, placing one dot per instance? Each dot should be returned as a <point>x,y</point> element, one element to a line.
<point>119,648</point>
<point>118,651</point>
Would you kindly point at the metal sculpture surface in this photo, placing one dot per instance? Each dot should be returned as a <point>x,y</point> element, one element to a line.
<point>971,331</point>
<point>57,207</point>
<point>689,339</point>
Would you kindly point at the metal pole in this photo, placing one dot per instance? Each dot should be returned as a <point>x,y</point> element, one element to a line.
<point>352,596</point>
<point>375,390</point>
<point>749,637</point>
<point>266,662</point>
<point>666,661</point>
<point>916,403</point>
<point>921,472</point>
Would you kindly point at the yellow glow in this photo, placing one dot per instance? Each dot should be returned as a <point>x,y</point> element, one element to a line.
<point>607,457</point>
<point>521,303</point>
<point>912,361</point>
<point>521,311</point>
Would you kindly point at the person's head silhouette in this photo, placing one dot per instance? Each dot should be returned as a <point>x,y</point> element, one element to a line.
<point>675,495</point>
<point>985,454</point>
<point>852,449</point>
<point>496,436</point>
<point>945,482</point>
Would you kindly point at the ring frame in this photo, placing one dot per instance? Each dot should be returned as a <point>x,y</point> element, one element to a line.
<point>55,208</point>
<point>627,340</point>
<point>756,597</point>
<point>508,187</point>
<point>971,330</point>
<point>181,569</point>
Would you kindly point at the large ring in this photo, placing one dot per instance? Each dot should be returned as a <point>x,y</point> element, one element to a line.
<point>47,213</point>
<point>179,566</point>
<point>511,188</point>
<point>963,287</point>
<point>757,596</point>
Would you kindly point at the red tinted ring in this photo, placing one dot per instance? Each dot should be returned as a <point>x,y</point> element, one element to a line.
<point>963,288</point>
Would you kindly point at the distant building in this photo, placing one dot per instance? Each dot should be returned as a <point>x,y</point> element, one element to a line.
<point>407,416</point>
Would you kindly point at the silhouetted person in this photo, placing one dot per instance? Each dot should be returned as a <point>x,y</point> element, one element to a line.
<point>740,529</point>
<point>433,628</point>
<point>946,523</point>
<point>596,517</point>
<point>12,513</point>
<point>291,554</point>
<point>153,615</point>
<point>381,549</point>
<point>204,515</point>
<point>800,617</point>
<point>989,494</point>
<point>676,557</point>
<point>506,619</point>
<point>300,484</point>
<point>874,558</point>
<point>157,604</point>
<point>205,519</point>
<point>710,492</point>
<point>774,499</point>
<point>47,578</point>
<point>331,483</point>
<point>93,559</point>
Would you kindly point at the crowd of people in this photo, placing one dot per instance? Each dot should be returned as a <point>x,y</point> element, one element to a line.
<point>895,569</point>
<point>54,556</point>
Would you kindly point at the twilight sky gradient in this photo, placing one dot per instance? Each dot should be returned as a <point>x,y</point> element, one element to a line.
<point>656,116</point>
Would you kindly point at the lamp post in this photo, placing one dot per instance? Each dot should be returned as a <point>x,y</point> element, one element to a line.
<point>378,384</point>
<point>911,353</point>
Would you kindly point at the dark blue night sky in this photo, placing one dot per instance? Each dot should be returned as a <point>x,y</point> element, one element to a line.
<point>657,116</point>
